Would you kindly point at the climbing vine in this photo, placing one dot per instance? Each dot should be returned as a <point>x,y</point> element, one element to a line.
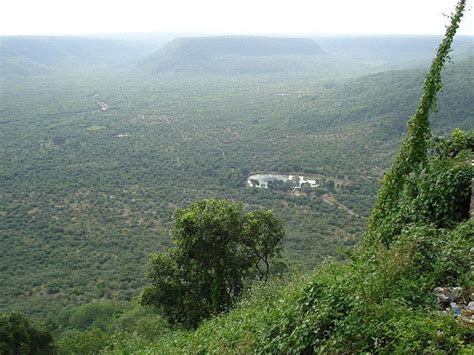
<point>413,155</point>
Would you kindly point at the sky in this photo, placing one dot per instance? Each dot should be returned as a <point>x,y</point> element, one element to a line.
<point>75,17</point>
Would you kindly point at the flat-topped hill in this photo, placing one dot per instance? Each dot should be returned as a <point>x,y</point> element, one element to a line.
<point>191,52</point>
<point>240,45</point>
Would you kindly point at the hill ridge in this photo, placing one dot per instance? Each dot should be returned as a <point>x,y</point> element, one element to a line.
<point>191,52</point>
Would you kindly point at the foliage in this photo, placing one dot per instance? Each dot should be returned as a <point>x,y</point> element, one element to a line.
<point>140,321</point>
<point>262,238</point>
<point>97,315</point>
<point>104,324</point>
<point>19,336</point>
<point>216,248</point>
<point>439,195</point>
<point>419,237</point>
<point>89,341</point>
<point>451,147</point>
<point>380,305</point>
<point>413,153</point>
<point>79,210</point>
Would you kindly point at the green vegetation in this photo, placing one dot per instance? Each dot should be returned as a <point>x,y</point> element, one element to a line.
<point>87,194</point>
<point>91,327</point>
<point>18,336</point>
<point>216,248</point>
<point>381,301</point>
<point>413,155</point>
<point>80,210</point>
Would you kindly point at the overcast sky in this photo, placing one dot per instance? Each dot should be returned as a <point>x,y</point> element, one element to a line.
<point>64,17</point>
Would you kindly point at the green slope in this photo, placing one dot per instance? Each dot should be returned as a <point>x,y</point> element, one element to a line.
<point>419,241</point>
<point>81,207</point>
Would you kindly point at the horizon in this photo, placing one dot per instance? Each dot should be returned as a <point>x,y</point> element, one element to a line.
<point>196,34</point>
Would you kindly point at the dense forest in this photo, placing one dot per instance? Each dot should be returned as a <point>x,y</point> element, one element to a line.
<point>102,140</point>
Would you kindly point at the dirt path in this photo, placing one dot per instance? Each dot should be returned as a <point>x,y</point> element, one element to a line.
<point>330,199</point>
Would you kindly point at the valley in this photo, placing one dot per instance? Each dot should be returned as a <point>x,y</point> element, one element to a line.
<point>95,161</point>
<point>182,177</point>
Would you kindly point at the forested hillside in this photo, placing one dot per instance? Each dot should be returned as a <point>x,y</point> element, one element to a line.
<point>407,287</point>
<point>103,139</point>
<point>33,56</point>
<point>87,193</point>
<point>405,50</point>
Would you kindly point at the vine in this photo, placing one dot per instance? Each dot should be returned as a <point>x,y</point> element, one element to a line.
<point>413,154</point>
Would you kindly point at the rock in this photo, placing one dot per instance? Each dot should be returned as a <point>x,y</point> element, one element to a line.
<point>470,306</point>
<point>455,308</point>
<point>455,293</point>
<point>469,321</point>
<point>442,298</point>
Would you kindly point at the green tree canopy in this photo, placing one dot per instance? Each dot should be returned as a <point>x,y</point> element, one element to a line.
<point>217,246</point>
<point>18,336</point>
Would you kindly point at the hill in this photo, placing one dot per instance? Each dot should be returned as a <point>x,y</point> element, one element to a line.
<point>406,288</point>
<point>112,178</point>
<point>400,86</point>
<point>230,54</point>
<point>395,48</point>
<point>80,185</point>
<point>95,160</point>
<point>43,55</point>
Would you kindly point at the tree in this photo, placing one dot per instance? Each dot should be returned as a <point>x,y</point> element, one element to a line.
<point>18,336</point>
<point>217,247</point>
<point>255,182</point>
<point>330,185</point>
<point>306,188</point>
<point>262,236</point>
<point>89,341</point>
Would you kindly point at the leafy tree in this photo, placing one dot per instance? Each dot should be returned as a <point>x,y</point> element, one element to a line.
<point>216,247</point>
<point>262,236</point>
<point>98,314</point>
<point>330,185</point>
<point>89,341</point>
<point>18,336</point>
